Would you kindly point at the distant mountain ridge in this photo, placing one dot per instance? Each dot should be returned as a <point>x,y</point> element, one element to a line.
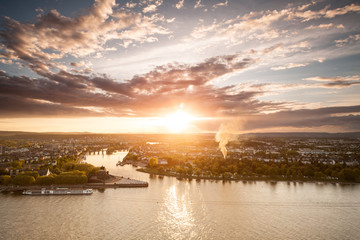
<point>272,134</point>
<point>306,134</point>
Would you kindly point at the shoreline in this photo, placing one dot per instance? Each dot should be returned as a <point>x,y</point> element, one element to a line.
<point>116,182</point>
<point>257,179</point>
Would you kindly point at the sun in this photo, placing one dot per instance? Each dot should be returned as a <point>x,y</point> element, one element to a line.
<point>178,122</point>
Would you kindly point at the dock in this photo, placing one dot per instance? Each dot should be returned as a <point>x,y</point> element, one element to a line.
<point>119,182</point>
<point>114,182</point>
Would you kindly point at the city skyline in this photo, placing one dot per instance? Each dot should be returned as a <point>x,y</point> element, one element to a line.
<point>179,66</point>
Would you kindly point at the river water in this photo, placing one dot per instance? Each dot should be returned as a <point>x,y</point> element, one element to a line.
<point>181,209</point>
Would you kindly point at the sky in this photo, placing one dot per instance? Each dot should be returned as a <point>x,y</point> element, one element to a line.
<point>154,66</point>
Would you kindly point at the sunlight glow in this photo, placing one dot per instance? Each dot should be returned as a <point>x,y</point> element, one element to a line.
<point>178,122</point>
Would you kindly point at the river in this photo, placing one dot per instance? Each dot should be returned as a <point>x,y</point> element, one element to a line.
<point>181,209</point>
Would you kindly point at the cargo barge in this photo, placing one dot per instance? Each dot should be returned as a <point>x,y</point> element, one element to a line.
<point>58,191</point>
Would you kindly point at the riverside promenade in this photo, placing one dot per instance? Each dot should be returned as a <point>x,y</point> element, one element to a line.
<point>112,182</point>
<point>118,182</point>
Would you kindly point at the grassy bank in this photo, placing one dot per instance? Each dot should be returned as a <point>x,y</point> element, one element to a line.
<point>156,171</point>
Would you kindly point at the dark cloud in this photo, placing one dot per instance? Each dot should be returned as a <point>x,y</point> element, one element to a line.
<point>22,107</point>
<point>57,91</point>
<point>306,118</point>
<point>345,118</point>
<point>160,91</point>
<point>147,95</point>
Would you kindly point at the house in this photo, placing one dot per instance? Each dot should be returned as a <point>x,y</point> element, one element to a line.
<point>14,172</point>
<point>162,162</point>
<point>44,172</point>
<point>353,163</point>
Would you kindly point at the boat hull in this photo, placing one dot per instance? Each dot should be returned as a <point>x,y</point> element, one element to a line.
<point>58,191</point>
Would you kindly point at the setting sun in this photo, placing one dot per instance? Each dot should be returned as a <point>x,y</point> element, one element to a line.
<point>177,122</point>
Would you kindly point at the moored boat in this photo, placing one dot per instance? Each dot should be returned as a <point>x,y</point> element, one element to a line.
<point>58,191</point>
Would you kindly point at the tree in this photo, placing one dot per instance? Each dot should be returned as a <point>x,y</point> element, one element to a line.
<point>32,173</point>
<point>347,174</point>
<point>153,162</point>
<point>227,175</point>
<point>17,164</point>
<point>179,170</point>
<point>68,166</point>
<point>197,171</point>
<point>74,177</point>
<point>3,172</point>
<point>86,167</point>
<point>5,179</point>
<point>22,179</point>
<point>319,175</point>
<point>45,180</point>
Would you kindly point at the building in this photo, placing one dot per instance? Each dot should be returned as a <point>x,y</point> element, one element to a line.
<point>162,162</point>
<point>44,172</point>
<point>2,149</point>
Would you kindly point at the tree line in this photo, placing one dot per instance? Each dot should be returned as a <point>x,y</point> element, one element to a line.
<point>67,171</point>
<point>233,168</point>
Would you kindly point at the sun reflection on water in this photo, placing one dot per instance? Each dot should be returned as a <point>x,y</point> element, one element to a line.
<point>178,214</point>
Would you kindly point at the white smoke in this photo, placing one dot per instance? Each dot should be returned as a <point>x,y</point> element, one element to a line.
<point>226,133</point>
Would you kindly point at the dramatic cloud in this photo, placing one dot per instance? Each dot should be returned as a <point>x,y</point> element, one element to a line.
<point>325,12</point>
<point>218,59</point>
<point>170,85</point>
<point>342,118</point>
<point>54,36</point>
<point>146,95</point>
<point>21,107</point>
<point>307,118</point>
<point>261,25</point>
<point>342,11</point>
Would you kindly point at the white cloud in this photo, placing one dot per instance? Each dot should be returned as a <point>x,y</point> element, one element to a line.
<point>111,49</point>
<point>170,20</point>
<point>320,60</point>
<point>350,39</point>
<point>289,65</point>
<point>321,26</point>
<point>333,79</point>
<point>130,5</point>
<point>180,4</point>
<point>342,11</point>
<point>153,6</point>
<point>198,4</point>
<point>150,8</point>
<point>303,44</point>
<point>221,4</point>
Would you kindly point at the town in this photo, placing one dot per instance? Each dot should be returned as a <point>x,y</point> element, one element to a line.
<point>252,157</point>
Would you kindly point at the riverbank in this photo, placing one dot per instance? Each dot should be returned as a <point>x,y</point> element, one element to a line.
<point>114,182</point>
<point>263,179</point>
<point>119,182</point>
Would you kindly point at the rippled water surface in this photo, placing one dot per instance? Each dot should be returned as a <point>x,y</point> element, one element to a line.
<point>181,209</point>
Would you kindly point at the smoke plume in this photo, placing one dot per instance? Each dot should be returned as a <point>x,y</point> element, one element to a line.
<point>226,133</point>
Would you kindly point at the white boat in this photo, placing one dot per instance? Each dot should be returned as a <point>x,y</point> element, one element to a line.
<point>58,191</point>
